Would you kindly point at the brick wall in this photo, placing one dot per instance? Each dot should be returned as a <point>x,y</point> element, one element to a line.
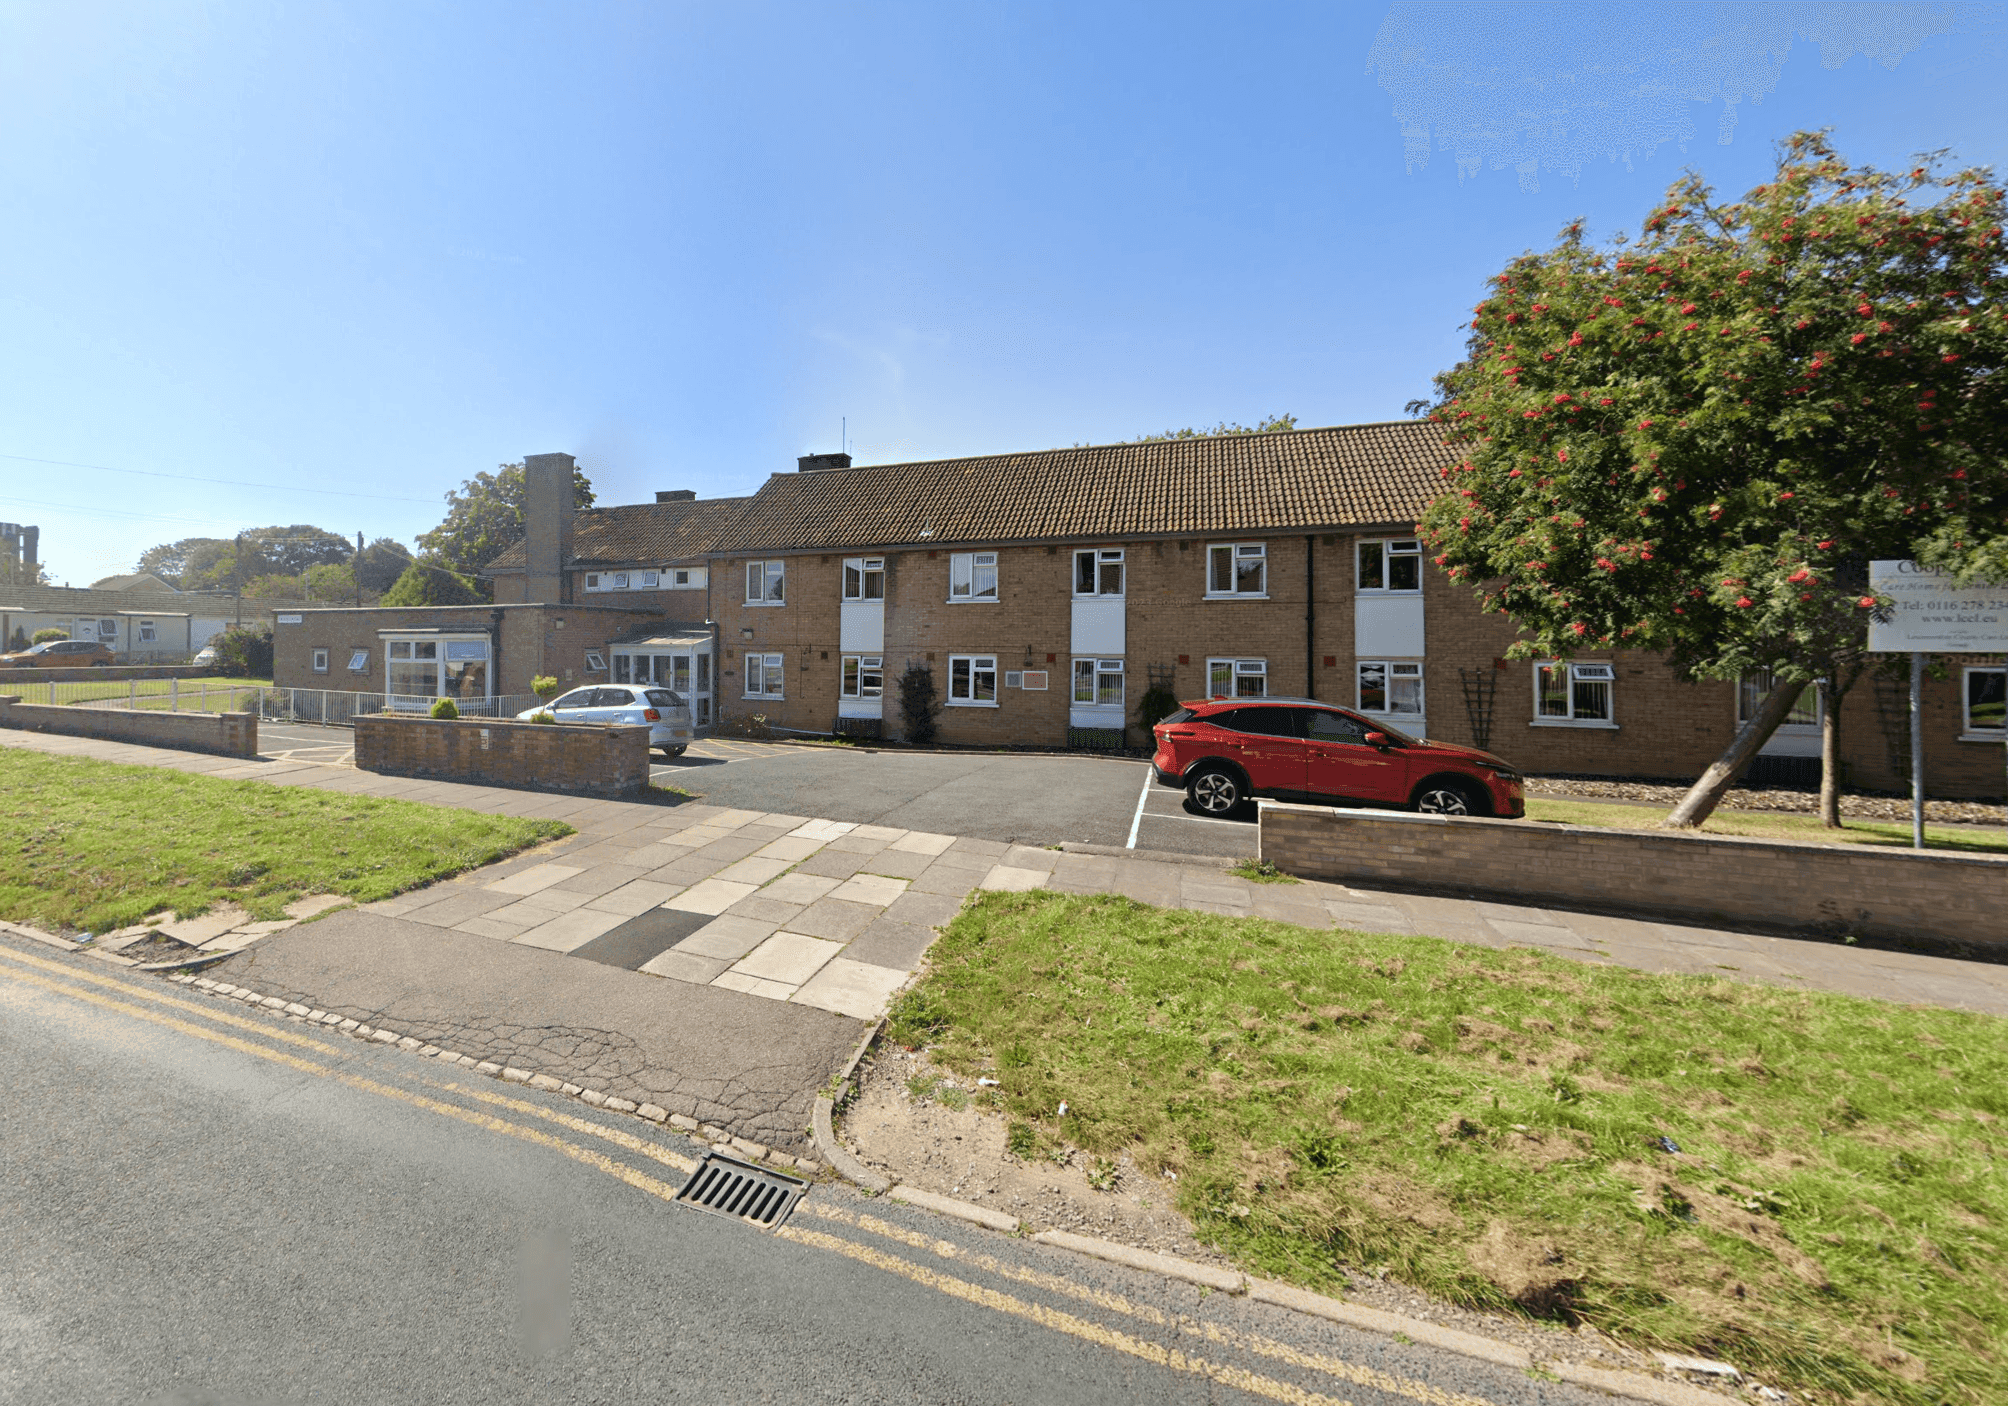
<point>225,734</point>
<point>600,761</point>
<point>1816,889</point>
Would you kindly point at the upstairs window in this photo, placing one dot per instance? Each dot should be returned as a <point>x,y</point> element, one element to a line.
<point>1237,569</point>
<point>972,576</point>
<point>1573,693</point>
<point>864,578</point>
<point>1098,572</point>
<point>648,580</point>
<point>593,581</point>
<point>766,582</point>
<point>620,580</point>
<point>1390,566</point>
<point>682,578</point>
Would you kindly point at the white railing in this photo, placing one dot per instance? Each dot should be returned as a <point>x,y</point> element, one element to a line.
<point>331,707</point>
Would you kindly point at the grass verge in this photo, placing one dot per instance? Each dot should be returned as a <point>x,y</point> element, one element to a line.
<point>94,846</point>
<point>1808,1185</point>
<point>1772,827</point>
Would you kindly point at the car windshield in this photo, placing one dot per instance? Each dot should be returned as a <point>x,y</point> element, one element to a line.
<point>664,698</point>
<point>577,698</point>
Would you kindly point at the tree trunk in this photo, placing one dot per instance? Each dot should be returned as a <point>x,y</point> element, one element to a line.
<point>1706,794</point>
<point>1830,753</point>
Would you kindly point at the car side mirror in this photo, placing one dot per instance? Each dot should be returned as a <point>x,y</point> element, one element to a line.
<point>1378,739</point>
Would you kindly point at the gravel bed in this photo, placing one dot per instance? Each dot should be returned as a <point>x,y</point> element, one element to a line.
<point>1858,807</point>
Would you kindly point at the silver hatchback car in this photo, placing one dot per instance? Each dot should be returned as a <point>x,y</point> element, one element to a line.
<point>664,712</point>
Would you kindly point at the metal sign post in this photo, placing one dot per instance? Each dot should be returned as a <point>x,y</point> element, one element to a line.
<point>1916,750</point>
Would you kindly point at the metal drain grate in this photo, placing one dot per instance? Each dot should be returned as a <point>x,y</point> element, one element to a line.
<point>725,1186</point>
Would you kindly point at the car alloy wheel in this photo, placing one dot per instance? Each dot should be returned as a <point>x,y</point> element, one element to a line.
<point>1445,800</point>
<point>1215,792</point>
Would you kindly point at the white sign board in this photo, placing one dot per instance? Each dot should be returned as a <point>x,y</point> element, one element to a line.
<point>1933,616</point>
<point>285,619</point>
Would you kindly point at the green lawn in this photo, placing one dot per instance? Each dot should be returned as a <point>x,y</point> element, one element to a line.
<point>92,846</point>
<point>1486,1125</point>
<point>1765,826</point>
<point>189,694</point>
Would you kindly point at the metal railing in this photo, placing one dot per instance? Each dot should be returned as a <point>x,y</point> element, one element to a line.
<point>331,707</point>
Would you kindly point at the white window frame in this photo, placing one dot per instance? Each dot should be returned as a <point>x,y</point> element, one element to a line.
<point>1235,671</point>
<point>147,633</point>
<point>854,670</point>
<point>979,664</point>
<point>1233,555</point>
<point>647,580</point>
<point>359,661</point>
<point>620,581</point>
<point>1098,672</point>
<point>1750,690</point>
<point>864,568</point>
<point>767,582</point>
<point>1592,673</point>
<point>320,661</point>
<point>1396,669</point>
<point>772,671</point>
<point>1388,547</point>
<point>972,578</point>
<point>596,662</point>
<point>108,629</point>
<point>1098,557</point>
<point>593,581</point>
<point>681,578</point>
<point>1968,732</point>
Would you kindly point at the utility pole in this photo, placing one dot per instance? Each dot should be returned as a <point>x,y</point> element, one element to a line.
<point>358,571</point>
<point>237,578</point>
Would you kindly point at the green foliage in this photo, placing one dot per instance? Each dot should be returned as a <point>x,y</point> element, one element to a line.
<point>245,653</point>
<point>1484,1125</point>
<point>484,517</point>
<point>19,640</point>
<point>383,561</point>
<point>1698,442</point>
<point>918,710</point>
<point>544,686</point>
<point>426,584</point>
<point>1261,871</point>
<point>446,709</point>
<point>544,715</point>
<point>44,636</point>
<point>211,563</point>
<point>1157,703</point>
<point>1271,425</point>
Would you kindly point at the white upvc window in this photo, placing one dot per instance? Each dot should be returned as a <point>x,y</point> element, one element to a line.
<point>596,662</point>
<point>972,680</point>
<point>681,578</point>
<point>320,661</point>
<point>1390,687</point>
<point>864,676</point>
<point>619,580</point>
<point>1984,704</point>
<point>1390,566</point>
<point>1751,688</point>
<point>764,676</point>
<point>108,629</point>
<point>436,667</point>
<point>647,580</point>
<point>766,582</point>
<point>1237,678</point>
<point>1574,694</point>
<point>1098,571</point>
<point>593,581</point>
<point>359,661</point>
<point>1098,683</point>
<point>147,633</point>
<point>1237,569</point>
<point>972,576</point>
<point>864,578</point>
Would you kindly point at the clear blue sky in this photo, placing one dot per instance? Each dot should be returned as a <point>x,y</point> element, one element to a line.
<point>373,249</point>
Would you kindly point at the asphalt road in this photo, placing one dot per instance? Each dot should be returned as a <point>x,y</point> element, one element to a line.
<point>211,1206</point>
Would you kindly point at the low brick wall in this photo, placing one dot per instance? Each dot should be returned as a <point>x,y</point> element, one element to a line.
<point>11,679</point>
<point>226,734</point>
<point>588,759</point>
<point>1824,890</point>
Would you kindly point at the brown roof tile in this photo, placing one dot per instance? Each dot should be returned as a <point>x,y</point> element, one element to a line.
<point>1349,475</point>
<point>639,533</point>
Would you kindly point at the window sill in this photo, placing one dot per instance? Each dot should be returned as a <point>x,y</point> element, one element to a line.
<point>968,703</point>
<point>765,697</point>
<point>1594,723</point>
<point>1117,599</point>
<point>986,600</point>
<point>1992,739</point>
<point>1382,591</point>
<point>1234,595</point>
<point>764,604</point>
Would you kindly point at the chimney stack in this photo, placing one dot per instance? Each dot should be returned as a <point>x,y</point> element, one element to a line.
<point>31,539</point>
<point>812,463</point>
<point>547,527</point>
<point>676,495</point>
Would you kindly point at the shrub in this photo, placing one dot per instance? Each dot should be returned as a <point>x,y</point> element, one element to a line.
<point>245,654</point>
<point>446,708</point>
<point>544,686</point>
<point>917,708</point>
<point>44,636</point>
<point>1157,704</point>
<point>543,715</point>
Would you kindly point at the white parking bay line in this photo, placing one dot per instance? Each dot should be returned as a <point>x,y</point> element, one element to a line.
<point>1141,797</point>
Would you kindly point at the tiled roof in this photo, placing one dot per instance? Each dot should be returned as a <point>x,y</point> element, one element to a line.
<point>135,581</point>
<point>85,600</point>
<point>639,533</point>
<point>1349,475</point>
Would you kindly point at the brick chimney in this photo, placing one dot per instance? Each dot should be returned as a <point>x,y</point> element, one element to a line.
<point>547,528</point>
<point>812,463</point>
<point>676,495</point>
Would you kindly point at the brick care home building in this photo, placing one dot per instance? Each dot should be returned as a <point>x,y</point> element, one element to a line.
<point>1045,592</point>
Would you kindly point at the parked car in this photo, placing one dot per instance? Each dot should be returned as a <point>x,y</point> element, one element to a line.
<point>206,657</point>
<point>665,712</point>
<point>1226,750</point>
<point>58,654</point>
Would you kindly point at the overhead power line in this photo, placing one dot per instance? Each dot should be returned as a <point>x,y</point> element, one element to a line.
<point>229,482</point>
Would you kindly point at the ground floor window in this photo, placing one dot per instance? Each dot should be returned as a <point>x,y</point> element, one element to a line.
<point>437,668</point>
<point>147,634</point>
<point>1986,703</point>
<point>764,676</point>
<point>1753,686</point>
<point>1237,678</point>
<point>1573,692</point>
<point>359,661</point>
<point>972,680</point>
<point>320,661</point>
<point>1390,687</point>
<point>864,676</point>
<point>1098,683</point>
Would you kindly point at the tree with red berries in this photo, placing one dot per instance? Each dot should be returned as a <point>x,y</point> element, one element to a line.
<point>1697,442</point>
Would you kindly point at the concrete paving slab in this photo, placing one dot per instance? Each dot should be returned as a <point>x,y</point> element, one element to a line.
<point>926,909</point>
<point>821,830</point>
<point>788,957</point>
<point>534,879</point>
<point>763,909</point>
<point>684,872</point>
<point>834,919</point>
<point>712,896</point>
<point>942,879</point>
<point>833,863</point>
<point>851,988</point>
<point>920,842</point>
<point>753,985</point>
<point>601,878</point>
<point>454,909</point>
<point>1004,878</point>
<point>888,833</point>
<point>987,849</point>
<point>553,899</point>
<point>799,887</point>
<point>635,896</point>
<point>566,931</point>
<point>315,903</point>
<point>727,939</point>
<point>855,843</point>
<point>685,966</point>
<point>897,864</point>
<point>490,928</point>
<point>754,869</point>
<point>791,848</point>
<point>888,942</point>
<point>869,888</point>
<point>1538,934</point>
<point>731,849</point>
<point>1025,857</point>
<point>1215,890</point>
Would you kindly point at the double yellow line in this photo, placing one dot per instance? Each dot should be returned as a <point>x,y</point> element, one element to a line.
<point>173,1012</point>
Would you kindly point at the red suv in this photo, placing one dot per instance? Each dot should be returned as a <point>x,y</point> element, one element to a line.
<point>1229,749</point>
